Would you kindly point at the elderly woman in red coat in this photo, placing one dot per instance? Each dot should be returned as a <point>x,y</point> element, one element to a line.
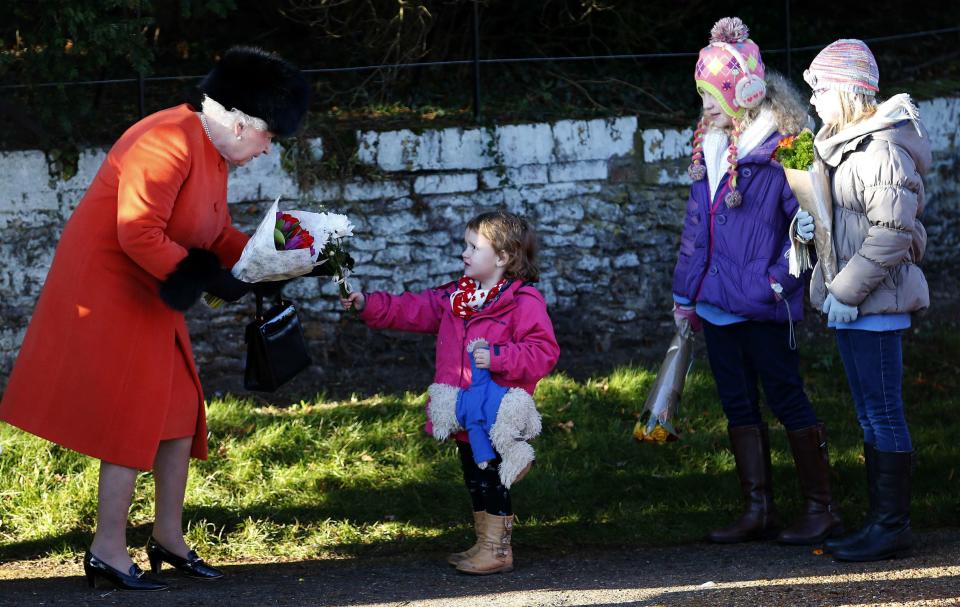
<point>106,366</point>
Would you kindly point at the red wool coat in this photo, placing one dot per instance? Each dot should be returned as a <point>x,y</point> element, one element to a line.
<point>95,370</point>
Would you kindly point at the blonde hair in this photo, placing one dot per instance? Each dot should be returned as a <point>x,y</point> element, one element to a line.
<point>854,108</point>
<point>510,234</point>
<point>783,99</point>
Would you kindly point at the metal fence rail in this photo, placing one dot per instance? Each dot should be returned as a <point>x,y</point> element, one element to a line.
<point>476,62</point>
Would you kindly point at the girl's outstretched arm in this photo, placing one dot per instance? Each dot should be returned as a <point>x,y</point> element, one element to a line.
<point>417,312</point>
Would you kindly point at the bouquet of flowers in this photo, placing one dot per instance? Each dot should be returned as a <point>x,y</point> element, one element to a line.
<point>289,235</point>
<point>656,424</point>
<point>295,243</point>
<point>808,178</point>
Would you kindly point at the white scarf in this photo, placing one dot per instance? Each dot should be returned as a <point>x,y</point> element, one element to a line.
<point>716,143</point>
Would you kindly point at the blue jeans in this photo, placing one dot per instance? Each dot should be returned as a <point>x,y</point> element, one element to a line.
<point>874,364</point>
<point>746,352</point>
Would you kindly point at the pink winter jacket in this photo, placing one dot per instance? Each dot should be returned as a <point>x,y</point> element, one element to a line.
<point>523,348</point>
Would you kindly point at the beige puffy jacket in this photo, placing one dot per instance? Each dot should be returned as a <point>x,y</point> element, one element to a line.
<point>877,178</point>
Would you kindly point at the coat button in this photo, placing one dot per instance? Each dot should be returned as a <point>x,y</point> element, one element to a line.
<point>721,219</point>
<point>746,172</point>
<point>713,269</point>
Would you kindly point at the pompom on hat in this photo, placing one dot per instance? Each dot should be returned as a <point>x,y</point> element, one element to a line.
<point>730,70</point>
<point>845,65</point>
<point>262,85</point>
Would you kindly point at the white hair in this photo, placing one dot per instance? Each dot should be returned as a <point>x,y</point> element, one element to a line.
<point>215,112</point>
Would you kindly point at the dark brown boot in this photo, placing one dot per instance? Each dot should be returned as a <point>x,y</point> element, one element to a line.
<point>751,450</point>
<point>819,519</point>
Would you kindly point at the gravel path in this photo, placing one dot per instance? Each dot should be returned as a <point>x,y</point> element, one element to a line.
<point>693,574</point>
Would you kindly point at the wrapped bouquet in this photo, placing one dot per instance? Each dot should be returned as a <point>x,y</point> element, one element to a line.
<point>656,422</point>
<point>288,244</point>
<point>808,178</point>
<point>291,244</point>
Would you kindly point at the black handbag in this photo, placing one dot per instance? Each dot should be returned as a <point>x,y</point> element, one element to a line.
<point>276,348</point>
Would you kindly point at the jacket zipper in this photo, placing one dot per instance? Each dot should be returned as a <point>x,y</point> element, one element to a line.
<point>463,348</point>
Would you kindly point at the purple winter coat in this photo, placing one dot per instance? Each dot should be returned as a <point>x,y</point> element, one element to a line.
<point>729,257</point>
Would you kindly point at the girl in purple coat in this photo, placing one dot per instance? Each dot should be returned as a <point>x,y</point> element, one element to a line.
<point>732,279</point>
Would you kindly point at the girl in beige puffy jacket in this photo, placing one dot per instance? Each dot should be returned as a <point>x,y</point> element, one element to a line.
<point>877,154</point>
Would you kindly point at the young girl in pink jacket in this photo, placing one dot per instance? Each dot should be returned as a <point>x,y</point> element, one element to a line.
<point>496,302</point>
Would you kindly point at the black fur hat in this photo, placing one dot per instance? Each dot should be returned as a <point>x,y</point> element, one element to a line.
<point>262,85</point>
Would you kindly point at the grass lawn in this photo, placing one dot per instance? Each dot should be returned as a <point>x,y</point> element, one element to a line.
<point>358,477</point>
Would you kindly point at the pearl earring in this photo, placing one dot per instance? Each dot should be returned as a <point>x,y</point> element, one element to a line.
<point>239,137</point>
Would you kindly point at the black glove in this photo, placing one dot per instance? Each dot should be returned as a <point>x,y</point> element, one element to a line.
<point>269,289</point>
<point>227,287</point>
<point>197,273</point>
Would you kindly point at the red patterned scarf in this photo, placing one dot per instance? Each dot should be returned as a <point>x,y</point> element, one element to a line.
<point>469,298</point>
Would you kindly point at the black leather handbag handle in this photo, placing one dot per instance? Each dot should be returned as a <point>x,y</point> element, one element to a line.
<point>259,316</point>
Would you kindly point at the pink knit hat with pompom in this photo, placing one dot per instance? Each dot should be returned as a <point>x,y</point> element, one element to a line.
<point>730,70</point>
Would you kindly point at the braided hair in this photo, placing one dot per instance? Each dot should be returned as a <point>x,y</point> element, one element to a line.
<point>697,171</point>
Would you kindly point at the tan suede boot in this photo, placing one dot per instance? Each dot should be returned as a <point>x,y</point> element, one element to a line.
<point>496,554</point>
<point>456,557</point>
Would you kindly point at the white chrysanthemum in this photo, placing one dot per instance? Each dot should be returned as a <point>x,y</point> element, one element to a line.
<point>339,226</point>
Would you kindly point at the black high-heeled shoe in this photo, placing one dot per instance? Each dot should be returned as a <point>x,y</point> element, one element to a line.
<point>193,565</point>
<point>135,579</point>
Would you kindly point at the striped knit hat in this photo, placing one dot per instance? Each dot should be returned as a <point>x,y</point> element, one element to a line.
<point>845,65</point>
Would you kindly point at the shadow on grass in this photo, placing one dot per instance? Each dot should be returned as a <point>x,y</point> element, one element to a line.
<point>555,512</point>
<point>592,485</point>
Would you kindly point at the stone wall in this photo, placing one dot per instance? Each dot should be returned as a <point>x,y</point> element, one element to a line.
<point>606,197</point>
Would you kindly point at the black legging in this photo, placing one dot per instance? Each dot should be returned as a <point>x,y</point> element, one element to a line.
<point>486,490</point>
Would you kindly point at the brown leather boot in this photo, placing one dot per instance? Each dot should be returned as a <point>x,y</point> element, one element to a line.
<point>456,557</point>
<point>495,554</point>
<point>751,450</point>
<point>819,519</point>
